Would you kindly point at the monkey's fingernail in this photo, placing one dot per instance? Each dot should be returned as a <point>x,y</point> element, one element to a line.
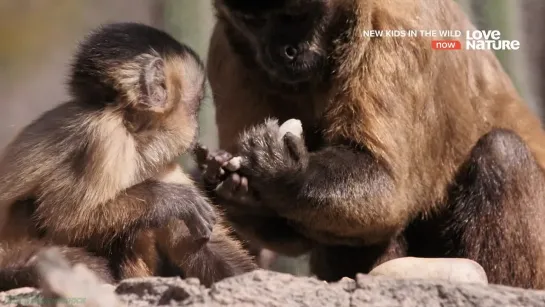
<point>244,184</point>
<point>235,178</point>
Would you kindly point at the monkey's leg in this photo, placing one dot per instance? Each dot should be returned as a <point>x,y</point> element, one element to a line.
<point>134,250</point>
<point>219,258</point>
<point>136,257</point>
<point>176,240</point>
<point>147,205</point>
<point>496,209</point>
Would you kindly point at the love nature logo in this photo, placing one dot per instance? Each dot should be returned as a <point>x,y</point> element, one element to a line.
<point>454,39</point>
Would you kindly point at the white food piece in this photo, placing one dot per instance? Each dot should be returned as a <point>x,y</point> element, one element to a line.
<point>291,125</point>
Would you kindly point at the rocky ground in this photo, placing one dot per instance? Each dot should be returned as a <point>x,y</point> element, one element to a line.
<point>75,286</point>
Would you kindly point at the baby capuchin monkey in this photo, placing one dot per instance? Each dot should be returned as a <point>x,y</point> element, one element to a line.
<point>99,172</point>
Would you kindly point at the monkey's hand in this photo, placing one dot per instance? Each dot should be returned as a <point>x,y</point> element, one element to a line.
<point>221,178</point>
<point>271,158</point>
<point>212,164</point>
<point>268,152</point>
<point>186,203</point>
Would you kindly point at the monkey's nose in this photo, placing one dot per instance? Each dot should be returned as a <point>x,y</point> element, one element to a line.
<point>290,52</point>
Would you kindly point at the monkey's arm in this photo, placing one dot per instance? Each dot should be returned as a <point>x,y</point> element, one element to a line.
<point>339,193</point>
<point>149,204</point>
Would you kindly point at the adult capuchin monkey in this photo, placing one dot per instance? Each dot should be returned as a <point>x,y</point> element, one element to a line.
<point>406,151</point>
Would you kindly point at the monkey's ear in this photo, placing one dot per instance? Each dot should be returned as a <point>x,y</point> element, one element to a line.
<point>153,85</point>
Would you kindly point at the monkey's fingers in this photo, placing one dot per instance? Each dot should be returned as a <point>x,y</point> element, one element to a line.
<point>201,154</point>
<point>200,225</point>
<point>221,157</point>
<point>241,190</point>
<point>235,188</point>
<point>215,172</point>
<point>227,187</point>
<point>199,228</point>
<point>244,188</point>
<point>234,164</point>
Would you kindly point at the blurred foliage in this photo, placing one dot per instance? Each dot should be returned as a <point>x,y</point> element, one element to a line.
<point>191,22</point>
<point>28,26</point>
<point>498,15</point>
<point>505,16</point>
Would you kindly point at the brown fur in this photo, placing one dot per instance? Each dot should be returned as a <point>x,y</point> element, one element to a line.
<point>214,261</point>
<point>173,250</point>
<point>100,172</point>
<point>409,119</point>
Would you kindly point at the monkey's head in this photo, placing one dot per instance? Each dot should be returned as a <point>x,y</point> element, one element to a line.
<point>134,66</point>
<point>286,38</point>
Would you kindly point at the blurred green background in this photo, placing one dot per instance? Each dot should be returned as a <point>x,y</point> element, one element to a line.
<point>37,38</point>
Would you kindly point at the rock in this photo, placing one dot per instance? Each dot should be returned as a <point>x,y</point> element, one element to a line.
<point>384,291</point>
<point>68,286</point>
<point>28,297</point>
<point>451,269</point>
<point>266,288</point>
<point>158,291</point>
<point>271,289</point>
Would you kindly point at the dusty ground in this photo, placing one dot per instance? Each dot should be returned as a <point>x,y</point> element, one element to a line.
<point>264,288</point>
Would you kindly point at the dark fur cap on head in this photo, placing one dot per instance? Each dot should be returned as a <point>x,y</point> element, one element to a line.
<point>111,46</point>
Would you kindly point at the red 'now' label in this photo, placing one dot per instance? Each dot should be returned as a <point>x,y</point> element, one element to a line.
<point>446,45</point>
